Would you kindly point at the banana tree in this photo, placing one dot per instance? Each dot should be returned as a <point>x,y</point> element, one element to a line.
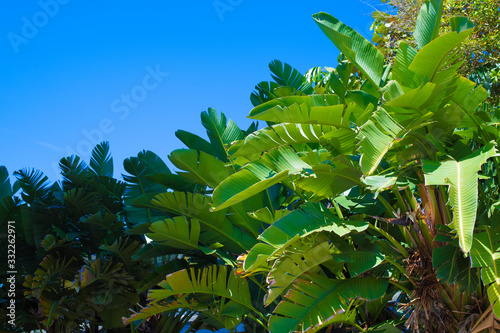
<point>196,248</point>
<point>394,189</point>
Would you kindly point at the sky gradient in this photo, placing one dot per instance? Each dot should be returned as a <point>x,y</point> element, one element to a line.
<point>74,73</point>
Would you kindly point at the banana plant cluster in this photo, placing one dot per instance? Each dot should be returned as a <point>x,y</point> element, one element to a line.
<point>369,202</point>
<point>193,246</point>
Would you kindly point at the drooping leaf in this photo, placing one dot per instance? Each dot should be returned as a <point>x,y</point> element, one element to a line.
<point>177,232</point>
<point>193,141</point>
<point>215,226</point>
<point>308,219</point>
<point>213,281</point>
<point>287,271</point>
<point>280,135</point>
<point>273,167</point>
<point>312,302</point>
<point>330,180</point>
<point>461,177</point>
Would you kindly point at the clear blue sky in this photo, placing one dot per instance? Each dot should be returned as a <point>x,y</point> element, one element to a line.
<point>67,67</point>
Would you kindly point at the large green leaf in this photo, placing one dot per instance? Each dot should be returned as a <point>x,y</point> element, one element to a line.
<point>401,72</point>
<point>280,135</point>
<point>212,281</point>
<point>334,115</point>
<point>274,167</point>
<point>308,219</point>
<point>312,302</point>
<point>380,183</point>
<point>193,141</point>
<point>215,226</point>
<point>419,99</point>
<point>207,170</point>
<point>359,262</point>
<point>300,109</point>
<point>461,177</point>
<point>101,161</point>
<point>469,96</point>
<point>289,269</point>
<point>257,257</point>
<point>355,47</point>
<point>331,179</point>
<point>178,232</point>
<point>255,178</point>
<point>452,267</point>
<point>342,141</point>
<point>199,167</point>
<point>460,23</point>
<point>155,309</point>
<point>376,138</point>
<point>485,253</point>
<point>428,22</point>
<point>292,227</point>
<point>174,181</point>
<point>437,55</point>
<point>220,131</point>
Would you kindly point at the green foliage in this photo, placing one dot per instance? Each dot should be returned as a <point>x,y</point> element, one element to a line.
<point>72,247</point>
<point>369,202</point>
<point>417,138</point>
